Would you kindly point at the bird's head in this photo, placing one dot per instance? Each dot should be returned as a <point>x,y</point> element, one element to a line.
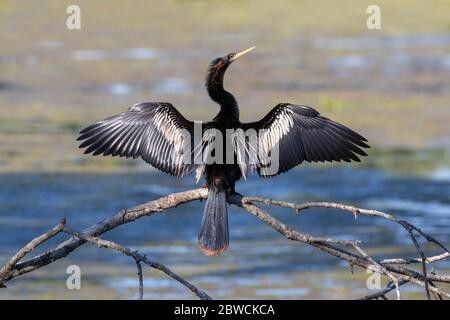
<point>219,65</point>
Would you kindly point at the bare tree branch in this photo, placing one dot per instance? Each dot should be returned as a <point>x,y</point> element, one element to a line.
<point>141,279</point>
<point>400,272</point>
<point>394,279</point>
<point>382,294</point>
<point>432,259</point>
<point>346,250</point>
<point>30,246</point>
<point>120,218</point>
<point>138,258</point>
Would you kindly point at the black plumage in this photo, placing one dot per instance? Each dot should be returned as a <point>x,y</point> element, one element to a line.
<point>161,136</point>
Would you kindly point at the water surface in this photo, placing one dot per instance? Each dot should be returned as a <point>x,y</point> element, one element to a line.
<point>259,263</point>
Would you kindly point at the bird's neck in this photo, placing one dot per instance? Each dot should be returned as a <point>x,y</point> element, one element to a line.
<point>227,102</point>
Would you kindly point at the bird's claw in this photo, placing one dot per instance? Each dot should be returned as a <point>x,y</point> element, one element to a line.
<point>233,192</point>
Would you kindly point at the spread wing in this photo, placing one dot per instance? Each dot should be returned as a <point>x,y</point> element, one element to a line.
<point>154,131</point>
<point>300,133</point>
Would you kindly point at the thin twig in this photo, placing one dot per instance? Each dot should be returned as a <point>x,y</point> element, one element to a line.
<point>141,279</point>
<point>432,259</point>
<point>383,269</point>
<point>382,294</point>
<point>422,255</point>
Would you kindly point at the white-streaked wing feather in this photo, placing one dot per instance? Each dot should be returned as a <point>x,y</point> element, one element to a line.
<point>154,131</point>
<point>300,133</point>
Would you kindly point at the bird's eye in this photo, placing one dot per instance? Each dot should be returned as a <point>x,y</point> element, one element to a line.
<point>230,56</point>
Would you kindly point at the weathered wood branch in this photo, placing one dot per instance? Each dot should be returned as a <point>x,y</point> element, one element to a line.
<point>120,218</point>
<point>347,250</point>
<point>138,258</point>
<point>364,261</point>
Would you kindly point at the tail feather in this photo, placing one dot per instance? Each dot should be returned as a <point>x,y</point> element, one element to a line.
<point>213,238</point>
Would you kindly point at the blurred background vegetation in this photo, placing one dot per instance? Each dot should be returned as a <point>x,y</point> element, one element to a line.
<point>391,85</point>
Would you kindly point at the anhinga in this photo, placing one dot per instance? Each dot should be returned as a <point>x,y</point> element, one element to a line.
<point>155,132</point>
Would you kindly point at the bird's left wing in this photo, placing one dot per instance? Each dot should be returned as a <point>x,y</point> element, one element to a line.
<point>155,131</point>
<point>290,134</point>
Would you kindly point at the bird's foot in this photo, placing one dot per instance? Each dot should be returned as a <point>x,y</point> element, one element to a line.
<point>232,192</point>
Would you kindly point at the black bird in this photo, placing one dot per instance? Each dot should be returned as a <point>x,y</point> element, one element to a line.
<point>159,134</point>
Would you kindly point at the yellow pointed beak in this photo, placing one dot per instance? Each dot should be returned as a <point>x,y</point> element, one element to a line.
<point>240,54</point>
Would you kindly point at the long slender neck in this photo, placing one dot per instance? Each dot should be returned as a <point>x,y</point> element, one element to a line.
<point>227,102</point>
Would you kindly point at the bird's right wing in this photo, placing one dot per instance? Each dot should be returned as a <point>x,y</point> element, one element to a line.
<point>155,131</point>
<point>298,133</point>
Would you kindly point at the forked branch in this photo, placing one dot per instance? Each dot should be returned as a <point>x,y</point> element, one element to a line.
<point>347,250</point>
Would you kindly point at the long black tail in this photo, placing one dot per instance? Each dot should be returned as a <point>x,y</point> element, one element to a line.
<point>213,237</point>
